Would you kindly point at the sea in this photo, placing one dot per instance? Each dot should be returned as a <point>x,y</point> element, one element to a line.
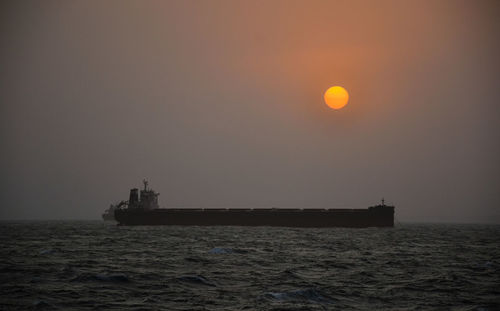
<point>95,265</point>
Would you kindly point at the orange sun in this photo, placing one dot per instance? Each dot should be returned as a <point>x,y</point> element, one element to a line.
<point>336,97</point>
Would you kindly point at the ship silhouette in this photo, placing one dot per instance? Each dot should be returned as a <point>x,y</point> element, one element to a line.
<point>142,209</point>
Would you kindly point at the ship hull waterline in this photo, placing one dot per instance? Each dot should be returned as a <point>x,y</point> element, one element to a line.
<point>382,216</point>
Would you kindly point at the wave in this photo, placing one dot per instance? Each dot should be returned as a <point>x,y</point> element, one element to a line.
<point>290,274</point>
<point>196,279</point>
<point>198,260</point>
<point>67,271</point>
<point>47,252</point>
<point>301,295</point>
<point>224,250</point>
<point>111,278</point>
<point>40,304</point>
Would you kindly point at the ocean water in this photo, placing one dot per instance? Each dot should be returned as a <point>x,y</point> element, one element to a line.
<point>79,265</point>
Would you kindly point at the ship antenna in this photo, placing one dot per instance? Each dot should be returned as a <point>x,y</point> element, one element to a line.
<point>145,184</point>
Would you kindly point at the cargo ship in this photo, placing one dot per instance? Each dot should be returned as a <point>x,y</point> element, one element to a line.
<point>142,209</point>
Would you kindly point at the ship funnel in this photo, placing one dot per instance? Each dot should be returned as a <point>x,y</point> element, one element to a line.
<point>133,200</point>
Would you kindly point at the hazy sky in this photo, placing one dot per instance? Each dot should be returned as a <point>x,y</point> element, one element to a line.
<point>220,104</point>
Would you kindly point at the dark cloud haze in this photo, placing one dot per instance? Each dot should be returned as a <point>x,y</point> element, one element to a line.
<point>219,103</point>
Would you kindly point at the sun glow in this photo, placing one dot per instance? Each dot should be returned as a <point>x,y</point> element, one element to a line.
<point>336,97</point>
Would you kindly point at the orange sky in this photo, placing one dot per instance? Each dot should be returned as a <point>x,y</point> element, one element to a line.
<point>220,103</point>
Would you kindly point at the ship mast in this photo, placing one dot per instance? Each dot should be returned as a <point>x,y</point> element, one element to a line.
<point>145,184</point>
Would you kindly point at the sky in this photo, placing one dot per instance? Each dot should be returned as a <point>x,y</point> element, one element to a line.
<point>220,104</point>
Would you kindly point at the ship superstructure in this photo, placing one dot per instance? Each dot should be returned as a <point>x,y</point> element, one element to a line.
<point>148,198</point>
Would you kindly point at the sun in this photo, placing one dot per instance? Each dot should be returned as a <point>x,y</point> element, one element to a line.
<point>336,97</point>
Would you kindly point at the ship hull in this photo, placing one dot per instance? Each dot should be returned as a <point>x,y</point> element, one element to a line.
<point>381,216</point>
